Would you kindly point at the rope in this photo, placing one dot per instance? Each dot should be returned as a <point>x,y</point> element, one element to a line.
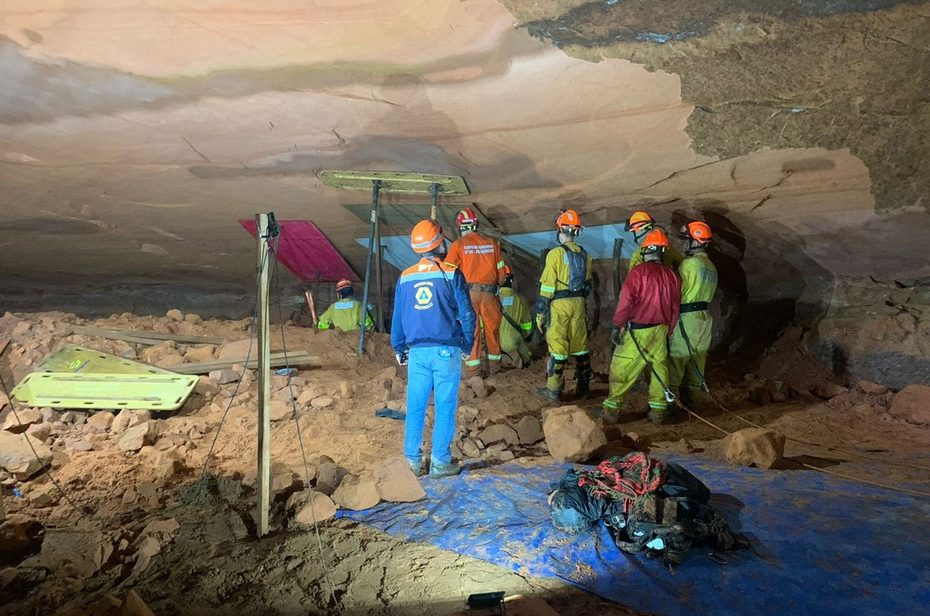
<point>611,478</point>
<point>815,468</point>
<point>300,439</point>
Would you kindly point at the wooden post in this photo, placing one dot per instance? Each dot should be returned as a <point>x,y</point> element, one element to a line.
<point>379,314</point>
<point>263,483</point>
<point>375,191</point>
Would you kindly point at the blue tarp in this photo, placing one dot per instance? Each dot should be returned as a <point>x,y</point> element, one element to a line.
<point>824,546</point>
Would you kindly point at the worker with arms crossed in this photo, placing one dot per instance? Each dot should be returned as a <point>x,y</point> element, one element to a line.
<point>646,314</point>
<point>478,257</point>
<point>517,324</point>
<point>560,308</point>
<point>639,224</point>
<point>432,325</point>
<point>345,313</point>
<point>691,339</point>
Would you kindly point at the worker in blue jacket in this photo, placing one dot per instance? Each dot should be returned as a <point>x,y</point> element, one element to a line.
<point>433,324</point>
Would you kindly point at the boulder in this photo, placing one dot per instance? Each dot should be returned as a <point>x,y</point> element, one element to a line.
<point>328,475</point>
<point>396,483</point>
<point>346,389</point>
<point>40,431</point>
<point>133,605</point>
<point>322,402</point>
<point>476,383</point>
<point>221,377</point>
<point>571,435</point>
<point>136,437</point>
<point>311,506</point>
<point>529,430</point>
<point>754,447</point>
<point>206,387</point>
<point>470,449</point>
<point>194,319</point>
<point>467,414</point>
<point>200,353</point>
<point>238,350</point>
<point>357,492</point>
<point>499,433</point>
<point>175,315</point>
<point>128,418</point>
<point>870,388</point>
<point>20,536</point>
<point>75,553</point>
<point>101,421</point>
<point>912,404</point>
<point>157,352</point>
<point>280,410</point>
<point>17,457</point>
<point>20,421</point>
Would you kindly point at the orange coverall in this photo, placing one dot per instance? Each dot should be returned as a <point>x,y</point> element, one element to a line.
<point>479,259</point>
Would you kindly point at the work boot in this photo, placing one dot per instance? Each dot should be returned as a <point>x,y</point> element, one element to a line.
<point>438,469</point>
<point>657,416</point>
<point>609,416</point>
<point>416,467</point>
<point>549,394</point>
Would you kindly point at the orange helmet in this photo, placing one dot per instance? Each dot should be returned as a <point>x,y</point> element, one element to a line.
<point>466,219</point>
<point>697,232</point>
<point>638,221</point>
<point>655,240</point>
<point>343,284</point>
<point>568,222</point>
<point>426,236</point>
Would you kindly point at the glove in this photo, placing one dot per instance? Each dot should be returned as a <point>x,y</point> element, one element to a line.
<point>615,335</point>
<point>401,358</point>
<point>541,323</point>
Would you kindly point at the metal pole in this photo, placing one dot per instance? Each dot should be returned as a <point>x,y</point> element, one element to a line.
<point>375,189</point>
<point>264,382</point>
<point>434,194</point>
<point>379,325</point>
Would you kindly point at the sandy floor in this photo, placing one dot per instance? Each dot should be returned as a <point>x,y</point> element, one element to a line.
<point>211,565</point>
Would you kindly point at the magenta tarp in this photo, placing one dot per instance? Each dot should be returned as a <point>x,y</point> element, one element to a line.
<point>303,249</point>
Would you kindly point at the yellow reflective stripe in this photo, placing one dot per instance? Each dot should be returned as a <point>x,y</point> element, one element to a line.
<point>472,362</point>
<point>559,357</point>
<point>611,405</point>
<point>494,357</point>
<point>322,325</point>
<point>500,265</point>
<point>544,288</point>
<point>526,326</point>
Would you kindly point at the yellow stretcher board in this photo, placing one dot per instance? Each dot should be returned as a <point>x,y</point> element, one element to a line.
<point>77,359</point>
<point>65,390</point>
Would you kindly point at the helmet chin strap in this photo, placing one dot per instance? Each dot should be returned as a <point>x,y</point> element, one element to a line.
<point>694,247</point>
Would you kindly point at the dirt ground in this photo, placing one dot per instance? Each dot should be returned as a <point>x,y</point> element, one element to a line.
<point>143,522</point>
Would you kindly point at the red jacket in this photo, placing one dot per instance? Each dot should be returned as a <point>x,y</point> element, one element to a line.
<point>651,295</point>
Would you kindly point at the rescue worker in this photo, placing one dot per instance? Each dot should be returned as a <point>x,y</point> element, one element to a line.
<point>639,224</point>
<point>691,338</point>
<point>432,326</point>
<point>646,314</point>
<point>345,313</point>
<point>517,324</point>
<point>479,259</point>
<point>560,308</point>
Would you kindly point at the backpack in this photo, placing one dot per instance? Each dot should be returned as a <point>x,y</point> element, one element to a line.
<point>578,283</point>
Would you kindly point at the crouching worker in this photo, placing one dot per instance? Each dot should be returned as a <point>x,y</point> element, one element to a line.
<point>433,324</point>
<point>646,315</point>
<point>346,313</point>
<point>517,324</point>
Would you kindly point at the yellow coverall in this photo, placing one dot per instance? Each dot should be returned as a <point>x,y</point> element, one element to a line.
<point>567,321</point>
<point>698,285</point>
<point>512,340</point>
<point>344,314</point>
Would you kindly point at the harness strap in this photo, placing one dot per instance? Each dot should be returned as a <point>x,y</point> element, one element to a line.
<point>694,307</point>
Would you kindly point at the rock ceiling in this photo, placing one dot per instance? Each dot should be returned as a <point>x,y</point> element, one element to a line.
<point>134,135</point>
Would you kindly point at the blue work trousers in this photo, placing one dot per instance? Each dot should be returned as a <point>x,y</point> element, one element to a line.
<point>436,370</point>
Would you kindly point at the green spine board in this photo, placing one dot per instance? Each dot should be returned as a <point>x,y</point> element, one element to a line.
<point>77,359</point>
<point>67,390</point>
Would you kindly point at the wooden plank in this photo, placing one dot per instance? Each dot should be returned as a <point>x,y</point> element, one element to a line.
<point>294,358</point>
<point>143,336</point>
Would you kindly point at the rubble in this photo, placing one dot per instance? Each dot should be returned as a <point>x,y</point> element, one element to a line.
<point>754,447</point>
<point>101,420</point>
<point>322,402</point>
<point>20,421</point>
<point>498,433</point>
<point>356,492</point>
<point>129,418</point>
<point>328,475</point>
<point>136,437</point>
<point>912,404</point>
<point>226,375</point>
<point>396,483</point>
<point>75,553</point>
<point>40,431</point>
<point>18,458</point>
<point>571,435</point>
<point>529,430</point>
<point>20,536</point>
<point>310,506</point>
